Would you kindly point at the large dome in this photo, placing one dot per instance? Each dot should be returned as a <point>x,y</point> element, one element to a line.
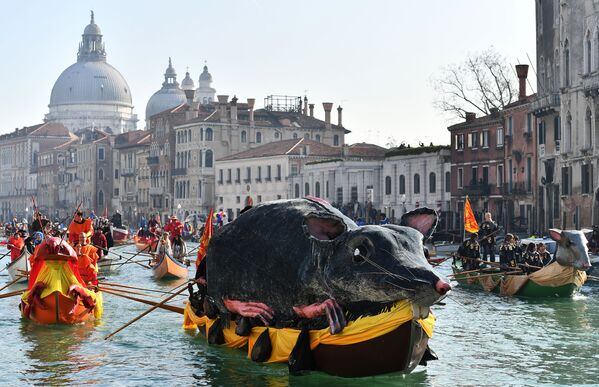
<point>169,96</point>
<point>90,82</point>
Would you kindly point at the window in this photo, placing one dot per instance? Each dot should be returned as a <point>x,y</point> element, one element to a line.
<point>101,198</point>
<point>566,63</point>
<point>474,178</point>
<point>510,174</point>
<point>354,194</point>
<point>294,136</point>
<point>277,135</point>
<point>238,199</point>
<point>499,175</point>
<point>259,177</point>
<point>485,175</point>
<point>297,191</point>
<point>339,196</point>
<point>336,140</point>
<point>306,136</point>
<point>529,123</point>
<point>317,189</point>
<point>484,139</point>
<point>258,137</point>
<point>469,140</point>
<point>499,137</point>
<point>116,192</point>
<point>326,189</point>
<point>208,134</point>
<point>588,132</point>
<point>459,141</point>
<point>588,52</point>
<point>402,184</point>
<point>248,174</point>
<point>268,172</point>
<point>528,174</point>
<point>556,129</point>
<point>510,125</point>
<point>460,178</point>
<point>388,185</point>
<point>116,173</point>
<point>238,175</point>
<point>100,153</point>
<point>586,175</point>
<point>447,182</point>
<point>566,181</point>
<point>243,136</point>
<point>568,139</point>
<point>416,183</point>
<point>432,182</point>
<point>475,143</point>
<point>209,160</point>
<point>541,132</point>
<point>317,138</point>
<point>306,189</point>
<point>100,174</point>
<point>229,173</point>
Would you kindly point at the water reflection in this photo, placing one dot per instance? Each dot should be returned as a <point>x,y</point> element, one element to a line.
<point>55,351</point>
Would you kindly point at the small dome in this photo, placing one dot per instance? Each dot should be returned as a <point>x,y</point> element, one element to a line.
<point>163,99</point>
<point>170,71</point>
<point>187,82</point>
<point>205,76</point>
<point>92,29</point>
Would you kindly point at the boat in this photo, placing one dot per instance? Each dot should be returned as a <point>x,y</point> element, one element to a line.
<point>553,280</point>
<point>120,236</point>
<point>142,243</point>
<point>167,267</point>
<point>394,340</point>
<point>56,293</point>
<point>19,268</point>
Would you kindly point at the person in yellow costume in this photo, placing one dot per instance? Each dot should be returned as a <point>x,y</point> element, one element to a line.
<point>78,226</point>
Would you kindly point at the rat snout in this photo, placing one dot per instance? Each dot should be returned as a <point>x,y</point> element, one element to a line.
<point>442,287</point>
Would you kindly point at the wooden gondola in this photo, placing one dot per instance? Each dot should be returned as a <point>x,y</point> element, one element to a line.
<point>391,341</point>
<point>120,236</point>
<point>168,267</point>
<point>19,268</point>
<point>553,280</point>
<point>58,294</point>
<point>145,243</point>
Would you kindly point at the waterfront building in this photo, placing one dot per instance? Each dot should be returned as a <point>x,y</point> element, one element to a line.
<point>91,92</point>
<point>417,177</point>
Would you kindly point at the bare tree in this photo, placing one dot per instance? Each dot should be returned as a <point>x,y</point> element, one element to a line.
<point>483,81</point>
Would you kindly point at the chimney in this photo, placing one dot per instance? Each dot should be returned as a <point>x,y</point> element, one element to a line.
<point>470,116</point>
<point>222,107</point>
<point>251,102</point>
<point>311,110</point>
<point>189,94</point>
<point>305,105</point>
<point>328,106</point>
<point>234,110</point>
<point>522,71</point>
<point>339,114</point>
<point>494,111</point>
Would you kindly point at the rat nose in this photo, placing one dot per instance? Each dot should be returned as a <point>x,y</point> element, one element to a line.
<point>442,287</point>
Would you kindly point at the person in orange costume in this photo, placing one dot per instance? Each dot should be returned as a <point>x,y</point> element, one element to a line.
<point>15,244</point>
<point>87,260</point>
<point>174,228</point>
<point>78,226</point>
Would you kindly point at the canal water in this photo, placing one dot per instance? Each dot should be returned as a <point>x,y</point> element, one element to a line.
<point>481,339</point>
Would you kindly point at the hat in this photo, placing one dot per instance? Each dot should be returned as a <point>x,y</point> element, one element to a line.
<point>173,217</point>
<point>79,212</point>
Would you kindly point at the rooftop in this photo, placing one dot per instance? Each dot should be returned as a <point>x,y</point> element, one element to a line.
<point>287,147</point>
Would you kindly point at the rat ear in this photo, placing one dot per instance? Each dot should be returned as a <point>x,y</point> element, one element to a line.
<point>324,228</point>
<point>556,234</point>
<point>422,219</point>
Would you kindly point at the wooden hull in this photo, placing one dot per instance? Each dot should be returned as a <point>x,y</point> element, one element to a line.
<point>20,267</point>
<point>120,236</point>
<point>58,309</point>
<point>142,243</point>
<point>169,268</point>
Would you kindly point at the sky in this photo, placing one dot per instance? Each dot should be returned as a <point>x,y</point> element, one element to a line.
<point>374,58</point>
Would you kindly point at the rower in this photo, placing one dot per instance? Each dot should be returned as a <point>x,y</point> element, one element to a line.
<point>544,255</point>
<point>531,258</point>
<point>470,253</point>
<point>15,244</point>
<point>99,240</point>
<point>163,248</point>
<point>87,260</point>
<point>79,226</point>
<point>488,229</point>
<point>507,253</point>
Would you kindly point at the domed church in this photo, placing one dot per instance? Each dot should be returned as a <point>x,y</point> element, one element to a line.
<point>92,93</point>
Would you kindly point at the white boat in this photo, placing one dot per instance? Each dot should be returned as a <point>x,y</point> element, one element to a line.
<point>19,268</point>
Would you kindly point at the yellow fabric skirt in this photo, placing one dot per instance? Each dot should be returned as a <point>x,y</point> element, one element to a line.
<point>283,339</point>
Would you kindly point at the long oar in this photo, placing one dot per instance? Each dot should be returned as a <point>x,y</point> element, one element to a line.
<point>12,294</point>
<point>136,288</point>
<point>133,256</point>
<point>5,254</point>
<point>100,264</point>
<point>468,272</point>
<point>119,290</point>
<point>171,308</point>
<point>156,306</point>
<point>19,277</point>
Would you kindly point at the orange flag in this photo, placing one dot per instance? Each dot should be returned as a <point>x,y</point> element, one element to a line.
<point>470,224</point>
<point>206,235</point>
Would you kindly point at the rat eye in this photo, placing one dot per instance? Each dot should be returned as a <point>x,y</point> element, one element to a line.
<point>362,249</point>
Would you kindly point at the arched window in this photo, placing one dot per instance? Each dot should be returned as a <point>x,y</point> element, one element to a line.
<point>306,136</point>
<point>317,189</point>
<point>294,136</point>
<point>588,132</point>
<point>336,140</point>
<point>101,198</point>
<point>297,192</point>
<point>588,52</point>
<point>387,185</point>
<point>100,174</point>
<point>258,137</point>
<point>306,189</point>
<point>209,162</point>
<point>568,134</point>
<point>201,160</point>
<point>208,134</point>
<point>244,136</point>
<point>566,63</point>
<point>277,135</point>
<point>558,74</point>
<point>416,183</point>
<point>317,138</point>
<point>402,184</point>
<point>432,182</point>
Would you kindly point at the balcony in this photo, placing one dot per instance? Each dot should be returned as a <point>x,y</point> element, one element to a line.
<point>546,104</point>
<point>590,85</point>
<point>127,172</point>
<point>517,189</point>
<point>478,189</point>
<point>153,160</point>
<point>179,172</point>
<point>157,190</point>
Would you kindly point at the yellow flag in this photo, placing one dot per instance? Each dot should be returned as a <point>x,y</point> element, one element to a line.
<point>470,224</point>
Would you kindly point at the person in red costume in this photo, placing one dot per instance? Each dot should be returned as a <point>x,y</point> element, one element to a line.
<point>174,228</point>
<point>15,244</point>
<point>78,226</point>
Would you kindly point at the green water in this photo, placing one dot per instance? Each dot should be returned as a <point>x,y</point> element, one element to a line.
<point>481,339</point>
